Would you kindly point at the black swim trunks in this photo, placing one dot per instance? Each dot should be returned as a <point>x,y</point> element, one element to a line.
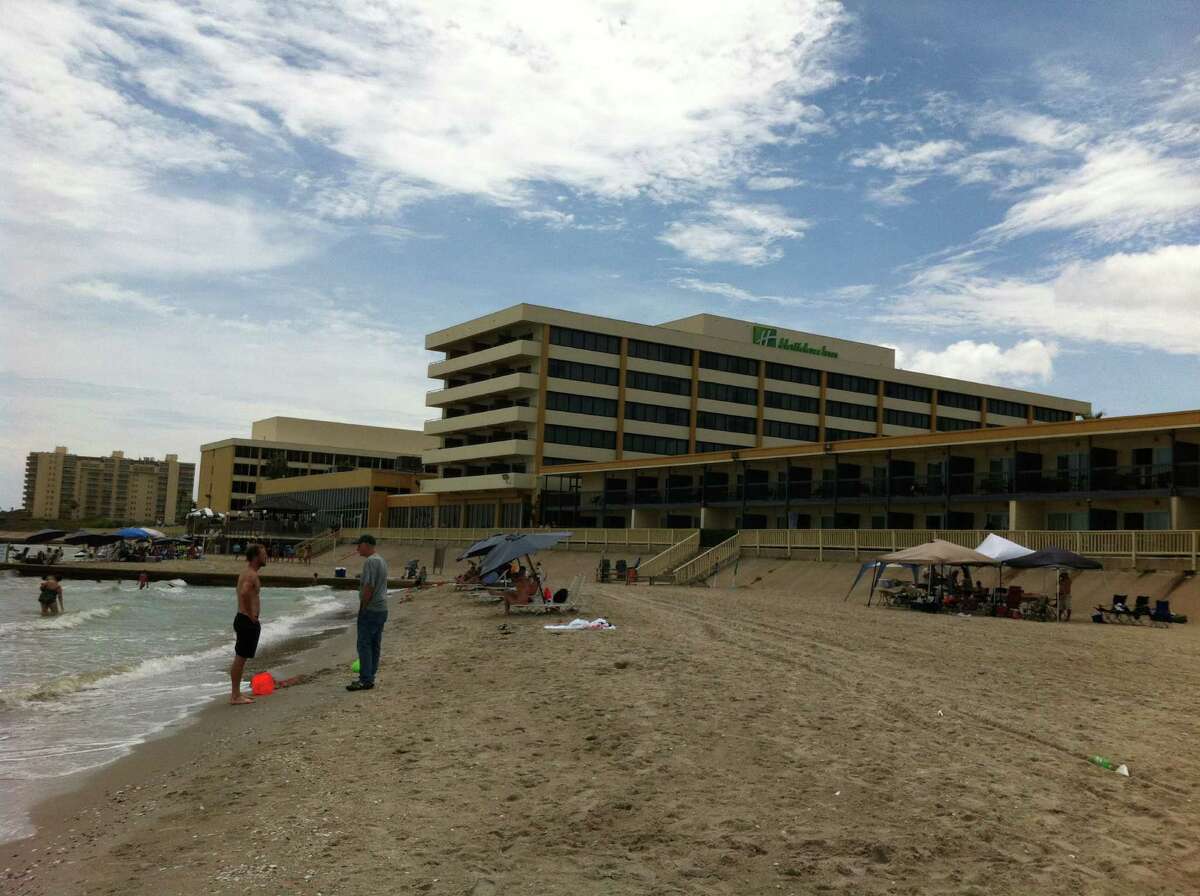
<point>247,631</point>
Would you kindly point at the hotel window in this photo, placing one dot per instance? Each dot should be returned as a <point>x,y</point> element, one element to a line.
<point>584,373</point>
<point>726,422</point>
<point>592,342</point>
<point>558,461</point>
<point>706,447</point>
<point>653,413</point>
<point>805,404</point>
<point>729,363</point>
<point>905,392</point>
<point>966,402</point>
<point>1052,415</point>
<point>585,438</point>
<point>953,424</point>
<point>838,435</point>
<point>905,418</point>
<point>656,382</point>
<point>733,394</point>
<point>850,411</point>
<point>847,383</point>
<point>1006,408</point>
<point>655,351</point>
<point>797,432</point>
<point>580,404</point>
<point>654,444</point>
<point>791,374</point>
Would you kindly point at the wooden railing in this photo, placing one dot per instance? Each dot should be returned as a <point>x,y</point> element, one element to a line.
<point>1172,543</point>
<point>318,544</point>
<point>837,543</point>
<point>581,539</point>
<point>671,558</point>
<point>710,562</point>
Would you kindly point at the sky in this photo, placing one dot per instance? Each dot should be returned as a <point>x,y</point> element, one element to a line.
<point>214,212</point>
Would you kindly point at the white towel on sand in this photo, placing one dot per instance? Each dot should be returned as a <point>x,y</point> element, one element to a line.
<point>581,625</point>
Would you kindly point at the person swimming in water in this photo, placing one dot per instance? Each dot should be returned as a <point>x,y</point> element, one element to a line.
<point>50,596</point>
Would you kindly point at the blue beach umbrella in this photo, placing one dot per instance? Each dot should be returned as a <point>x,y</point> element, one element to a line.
<point>135,533</point>
<point>513,547</point>
<point>482,547</point>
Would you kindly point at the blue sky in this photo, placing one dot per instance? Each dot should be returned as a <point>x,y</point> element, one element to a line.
<point>215,212</point>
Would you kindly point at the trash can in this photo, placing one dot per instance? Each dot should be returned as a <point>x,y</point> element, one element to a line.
<point>339,572</point>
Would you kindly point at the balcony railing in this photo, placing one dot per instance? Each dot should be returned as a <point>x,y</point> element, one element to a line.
<point>1139,478</point>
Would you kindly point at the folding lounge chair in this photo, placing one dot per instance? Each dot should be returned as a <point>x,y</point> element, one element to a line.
<point>1161,614</point>
<point>1142,608</point>
<point>603,571</point>
<point>1119,611</point>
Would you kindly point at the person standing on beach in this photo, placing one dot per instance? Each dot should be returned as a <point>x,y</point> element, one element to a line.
<point>246,624</point>
<point>1064,595</point>
<point>372,613</point>
<point>50,596</point>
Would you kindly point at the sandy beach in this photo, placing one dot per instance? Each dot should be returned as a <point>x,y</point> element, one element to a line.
<point>719,741</point>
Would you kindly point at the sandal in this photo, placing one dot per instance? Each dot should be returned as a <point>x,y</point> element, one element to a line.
<point>359,686</point>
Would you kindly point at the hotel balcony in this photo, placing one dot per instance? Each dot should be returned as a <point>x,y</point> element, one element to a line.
<point>483,420</point>
<point>509,382</point>
<point>507,353</point>
<point>487,482</point>
<point>482,451</point>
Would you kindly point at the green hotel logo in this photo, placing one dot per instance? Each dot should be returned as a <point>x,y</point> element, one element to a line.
<point>769,337</point>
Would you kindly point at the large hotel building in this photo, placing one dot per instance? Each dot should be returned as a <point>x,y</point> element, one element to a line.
<point>550,416</point>
<point>60,485</point>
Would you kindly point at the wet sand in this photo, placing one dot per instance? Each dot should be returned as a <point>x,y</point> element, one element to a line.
<point>720,741</point>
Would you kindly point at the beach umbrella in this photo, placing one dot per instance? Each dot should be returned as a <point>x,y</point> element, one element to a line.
<point>482,547</point>
<point>44,535</point>
<point>136,533</point>
<point>91,539</point>
<point>1057,558</point>
<point>514,547</point>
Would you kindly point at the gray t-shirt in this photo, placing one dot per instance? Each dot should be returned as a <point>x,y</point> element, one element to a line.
<point>374,580</point>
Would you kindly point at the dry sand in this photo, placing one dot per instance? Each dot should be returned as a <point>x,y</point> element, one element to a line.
<point>719,742</point>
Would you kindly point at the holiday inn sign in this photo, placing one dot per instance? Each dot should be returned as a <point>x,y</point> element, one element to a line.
<point>769,337</point>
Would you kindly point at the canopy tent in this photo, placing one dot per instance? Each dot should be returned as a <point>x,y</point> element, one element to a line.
<point>1056,558</point>
<point>42,536</point>
<point>939,553</point>
<point>1001,549</point>
<point>879,566</point>
<point>282,504</point>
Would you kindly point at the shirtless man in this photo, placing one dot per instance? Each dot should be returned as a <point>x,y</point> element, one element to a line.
<point>245,623</point>
<point>50,596</point>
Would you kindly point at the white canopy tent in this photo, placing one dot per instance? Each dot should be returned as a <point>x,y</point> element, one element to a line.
<point>1001,549</point>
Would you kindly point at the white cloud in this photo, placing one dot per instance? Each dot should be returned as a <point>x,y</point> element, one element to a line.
<point>1022,364</point>
<point>469,98</point>
<point>895,192</point>
<point>113,294</point>
<point>1032,128</point>
<point>739,233</point>
<point>840,294</point>
<point>773,182</point>
<point>1137,300</point>
<point>906,156</point>
<point>552,218</point>
<point>1122,189</point>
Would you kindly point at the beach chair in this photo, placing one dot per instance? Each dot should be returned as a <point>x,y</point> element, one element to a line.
<point>1141,608</point>
<point>1161,614</point>
<point>1118,612</point>
<point>603,571</point>
<point>621,567</point>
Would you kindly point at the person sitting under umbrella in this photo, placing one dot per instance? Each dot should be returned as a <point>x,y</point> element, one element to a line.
<point>524,588</point>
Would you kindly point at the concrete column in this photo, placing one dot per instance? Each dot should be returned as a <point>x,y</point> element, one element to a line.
<point>1027,515</point>
<point>1185,513</point>
<point>645,518</point>
<point>717,517</point>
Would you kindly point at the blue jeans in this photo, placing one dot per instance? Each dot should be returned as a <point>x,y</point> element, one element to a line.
<point>370,641</point>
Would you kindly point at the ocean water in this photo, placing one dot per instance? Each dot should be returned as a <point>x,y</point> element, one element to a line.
<point>82,689</point>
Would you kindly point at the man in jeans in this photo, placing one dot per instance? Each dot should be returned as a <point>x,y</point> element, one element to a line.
<point>372,613</point>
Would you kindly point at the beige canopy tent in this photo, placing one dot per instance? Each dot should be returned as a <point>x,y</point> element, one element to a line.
<point>939,553</point>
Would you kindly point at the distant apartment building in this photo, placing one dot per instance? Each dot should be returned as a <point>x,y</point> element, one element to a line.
<point>64,486</point>
<point>232,470</point>
<point>529,389</point>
